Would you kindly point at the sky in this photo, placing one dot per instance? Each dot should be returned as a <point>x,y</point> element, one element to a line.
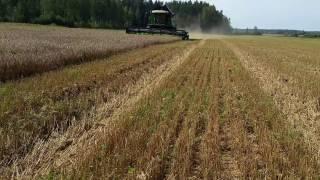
<point>271,14</point>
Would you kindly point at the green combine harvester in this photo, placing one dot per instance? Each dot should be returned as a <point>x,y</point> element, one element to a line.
<point>159,22</point>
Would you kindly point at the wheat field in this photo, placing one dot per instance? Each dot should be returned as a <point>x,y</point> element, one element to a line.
<point>222,107</point>
<point>31,49</point>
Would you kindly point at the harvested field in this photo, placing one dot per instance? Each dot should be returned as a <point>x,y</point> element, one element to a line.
<point>29,49</point>
<point>288,71</point>
<point>208,119</point>
<point>36,108</point>
<point>225,108</point>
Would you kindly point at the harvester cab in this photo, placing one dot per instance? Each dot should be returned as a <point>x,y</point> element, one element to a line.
<point>159,22</point>
<point>160,19</point>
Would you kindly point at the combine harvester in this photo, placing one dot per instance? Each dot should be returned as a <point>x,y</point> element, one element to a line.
<point>159,22</point>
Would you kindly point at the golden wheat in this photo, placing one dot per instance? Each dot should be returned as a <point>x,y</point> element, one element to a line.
<point>229,108</point>
<point>30,49</point>
<point>34,109</point>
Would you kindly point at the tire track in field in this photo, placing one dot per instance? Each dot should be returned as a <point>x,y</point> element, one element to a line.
<point>230,166</point>
<point>181,117</point>
<point>169,158</point>
<point>195,79</point>
<point>304,115</point>
<point>201,128</point>
<point>161,167</point>
<point>181,122</point>
<point>180,164</point>
<point>81,144</point>
<point>251,160</point>
<point>201,124</point>
<point>210,155</point>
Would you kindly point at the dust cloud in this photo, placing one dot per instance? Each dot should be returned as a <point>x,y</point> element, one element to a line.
<point>195,32</point>
<point>201,35</point>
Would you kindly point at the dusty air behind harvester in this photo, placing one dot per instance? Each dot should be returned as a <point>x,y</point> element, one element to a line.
<point>159,22</point>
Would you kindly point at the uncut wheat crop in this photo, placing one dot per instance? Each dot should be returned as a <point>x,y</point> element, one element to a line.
<point>29,49</point>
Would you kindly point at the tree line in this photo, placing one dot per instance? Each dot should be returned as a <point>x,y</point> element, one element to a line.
<point>110,13</point>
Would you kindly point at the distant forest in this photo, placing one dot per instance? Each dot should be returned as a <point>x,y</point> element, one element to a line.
<point>283,32</point>
<point>111,13</point>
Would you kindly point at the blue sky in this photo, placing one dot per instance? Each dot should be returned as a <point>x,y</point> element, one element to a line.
<point>281,14</point>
